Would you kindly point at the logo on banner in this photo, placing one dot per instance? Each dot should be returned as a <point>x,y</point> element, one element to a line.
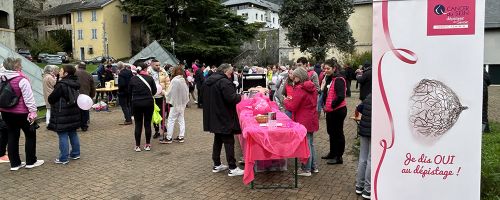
<point>451,17</point>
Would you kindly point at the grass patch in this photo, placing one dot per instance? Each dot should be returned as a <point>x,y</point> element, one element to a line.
<point>490,164</point>
<point>90,67</point>
<point>41,112</point>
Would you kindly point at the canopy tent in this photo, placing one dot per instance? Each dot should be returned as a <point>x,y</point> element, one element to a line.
<point>32,70</point>
<point>158,52</point>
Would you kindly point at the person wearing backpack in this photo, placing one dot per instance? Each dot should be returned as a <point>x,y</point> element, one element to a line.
<point>18,108</point>
<point>65,115</point>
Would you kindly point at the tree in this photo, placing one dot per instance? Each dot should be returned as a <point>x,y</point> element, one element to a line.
<point>47,45</point>
<point>62,37</point>
<point>202,29</point>
<point>318,25</point>
<point>25,19</point>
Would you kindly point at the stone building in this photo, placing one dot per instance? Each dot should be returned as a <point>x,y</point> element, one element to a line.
<point>7,33</point>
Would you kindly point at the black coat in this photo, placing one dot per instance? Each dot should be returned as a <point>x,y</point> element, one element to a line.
<point>123,81</point>
<point>64,113</point>
<point>486,83</point>
<point>219,105</point>
<point>139,92</point>
<point>365,125</point>
<point>199,78</point>
<point>366,83</point>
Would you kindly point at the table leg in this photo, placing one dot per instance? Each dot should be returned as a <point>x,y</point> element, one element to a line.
<point>296,175</point>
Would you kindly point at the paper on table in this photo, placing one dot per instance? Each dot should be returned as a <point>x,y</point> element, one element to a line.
<point>265,124</point>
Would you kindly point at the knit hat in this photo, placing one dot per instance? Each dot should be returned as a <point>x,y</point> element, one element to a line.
<point>300,73</point>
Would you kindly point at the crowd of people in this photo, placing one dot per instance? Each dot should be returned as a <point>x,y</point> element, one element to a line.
<point>154,95</point>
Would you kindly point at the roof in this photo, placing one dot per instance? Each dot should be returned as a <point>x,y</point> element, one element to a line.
<point>357,2</point>
<point>155,50</point>
<point>263,3</point>
<point>492,18</point>
<point>91,4</point>
<point>60,9</point>
<point>33,72</point>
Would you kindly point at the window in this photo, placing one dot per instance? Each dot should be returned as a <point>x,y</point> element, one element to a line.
<point>59,20</point>
<point>94,33</point>
<point>261,17</point>
<point>125,19</point>
<point>68,19</point>
<point>91,50</point>
<point>79,14</point>
<point>256,16</point>
<point>273,20</point>
<point>94,15</point>
<point>80,34</point>
<point>49,21</point>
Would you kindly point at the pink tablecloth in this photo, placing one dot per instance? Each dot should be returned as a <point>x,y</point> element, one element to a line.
<point>262,143</point>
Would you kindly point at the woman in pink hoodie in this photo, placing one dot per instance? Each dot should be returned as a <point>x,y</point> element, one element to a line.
<point>20,116</point>
<point>303,104</point>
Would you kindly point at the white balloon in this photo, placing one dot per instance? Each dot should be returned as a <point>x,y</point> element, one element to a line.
<point>84,102</point>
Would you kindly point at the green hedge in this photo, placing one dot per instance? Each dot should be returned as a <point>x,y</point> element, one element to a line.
<point>490,164</point>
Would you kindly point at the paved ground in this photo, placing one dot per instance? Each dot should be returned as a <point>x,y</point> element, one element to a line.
<point>109,169</point>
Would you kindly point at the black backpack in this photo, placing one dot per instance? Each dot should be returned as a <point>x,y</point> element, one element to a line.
<point>8,98</point>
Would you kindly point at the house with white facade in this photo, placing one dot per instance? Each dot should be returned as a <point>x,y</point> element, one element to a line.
<point>7,33</point>
<point>256,11</point>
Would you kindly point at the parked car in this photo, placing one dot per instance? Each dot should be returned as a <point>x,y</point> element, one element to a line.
<point>98,59</point>
<point>41,57</point>
<point>25,53</point>
<point>53,60</point>
<point>64,56</point>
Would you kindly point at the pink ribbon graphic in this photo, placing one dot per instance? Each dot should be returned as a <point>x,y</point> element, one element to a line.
<point>397,52</point>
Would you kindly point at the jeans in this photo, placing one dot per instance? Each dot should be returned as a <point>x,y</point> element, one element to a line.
<point>335,129</point>
<point>64,146</point>
<point>228,141</point>
<point>176,114</point>
<point>320,102</point>
<point>159,102</point>
<point>363,177</point>
<point>288,113</point>
<point>125,105</point>
<point>16,122</point>
<point>47,116</point>
<point>143,115</point>
<point>311,162</point>
<point>85,119</point>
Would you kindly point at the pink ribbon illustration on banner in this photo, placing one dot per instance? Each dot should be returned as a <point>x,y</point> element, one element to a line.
<point>412,60</point>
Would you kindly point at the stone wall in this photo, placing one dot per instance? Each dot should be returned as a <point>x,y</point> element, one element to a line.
<point>7,35</point>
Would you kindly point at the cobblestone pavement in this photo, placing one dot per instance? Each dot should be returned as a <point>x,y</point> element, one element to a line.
<point>110,169</point>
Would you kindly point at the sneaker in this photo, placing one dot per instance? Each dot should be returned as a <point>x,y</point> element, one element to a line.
<point>156,135</point>
<point>179,139</point>
<point>57,161</point>
<point>366,195</point>
<point>166,141</point>
<point>38,163</point>
<point>195,101</point>
<point>147,147</point>
<point>23,164</point>
<point>4,159</point>
<point>315,171</point>
<point>219,168</point>
<point>236,172</point>
<point>137,149</point>
<point>304,173</point>
<point>359,190</point>
<point>74,158</point>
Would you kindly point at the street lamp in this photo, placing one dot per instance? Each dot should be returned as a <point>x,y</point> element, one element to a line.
<point>172,43</point>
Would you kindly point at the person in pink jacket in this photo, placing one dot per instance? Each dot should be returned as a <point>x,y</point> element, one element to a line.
<point>21,116</point>
<point>302,103</point>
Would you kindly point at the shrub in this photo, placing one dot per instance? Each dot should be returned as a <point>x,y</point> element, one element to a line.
<point>356,59</point>
<point>490,164</point>
<point>47,45</point>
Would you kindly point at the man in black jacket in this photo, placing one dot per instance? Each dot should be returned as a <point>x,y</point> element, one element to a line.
<point>220,117</point>
<point>124,77</point>
<point>199,79</point>
<point>364,77</point>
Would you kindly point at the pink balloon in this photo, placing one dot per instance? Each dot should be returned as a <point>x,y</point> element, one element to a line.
<point>158,89</point>
<point>84,102</point>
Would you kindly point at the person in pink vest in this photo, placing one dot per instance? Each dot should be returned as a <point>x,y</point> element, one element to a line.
<point>334,90</point>
<point>302,104</point>
<point>21,116</point>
